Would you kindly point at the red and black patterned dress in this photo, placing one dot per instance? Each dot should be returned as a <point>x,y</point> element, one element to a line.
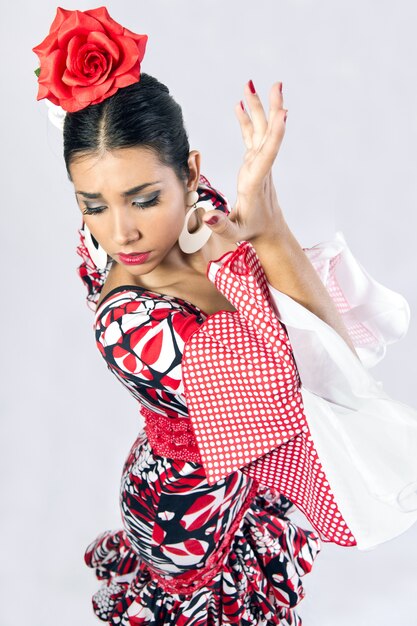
<point>189,553</point>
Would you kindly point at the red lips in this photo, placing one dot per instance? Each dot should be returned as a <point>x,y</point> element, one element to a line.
<point>134,258</point>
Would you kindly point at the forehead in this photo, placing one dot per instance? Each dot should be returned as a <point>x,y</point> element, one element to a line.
<point>118,169</point>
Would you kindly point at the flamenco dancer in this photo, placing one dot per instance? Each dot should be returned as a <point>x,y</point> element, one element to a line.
<point>247,354</point>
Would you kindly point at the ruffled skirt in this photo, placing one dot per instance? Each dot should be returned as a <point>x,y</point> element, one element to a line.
<point>191,554</point>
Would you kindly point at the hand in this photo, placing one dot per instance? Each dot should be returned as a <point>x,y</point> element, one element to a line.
<point>256,214</point>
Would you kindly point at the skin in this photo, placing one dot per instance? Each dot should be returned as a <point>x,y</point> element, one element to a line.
<point>257,217</point>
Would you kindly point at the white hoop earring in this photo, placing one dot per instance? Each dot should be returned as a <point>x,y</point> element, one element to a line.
<point>97,253</point>
<point>191,242</point>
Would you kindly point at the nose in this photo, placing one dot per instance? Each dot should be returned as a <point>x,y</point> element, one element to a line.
<point>124,227</point>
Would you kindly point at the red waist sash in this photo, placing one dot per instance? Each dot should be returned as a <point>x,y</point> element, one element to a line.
<point>171,437</point>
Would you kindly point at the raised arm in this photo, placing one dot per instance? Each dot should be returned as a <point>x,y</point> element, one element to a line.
<point>258,218</point>
<point>288,269</point>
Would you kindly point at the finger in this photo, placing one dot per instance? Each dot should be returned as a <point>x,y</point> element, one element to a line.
<point>257,113</point>
<point>271,143</point>
<point>276,115</point>
<point>246,126</point>
<point>276,102</point>
<point>267,154</point>
<point>275,135</point>
<point>223,226</point>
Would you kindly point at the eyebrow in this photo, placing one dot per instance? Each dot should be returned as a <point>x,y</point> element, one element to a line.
<point>125,194</point>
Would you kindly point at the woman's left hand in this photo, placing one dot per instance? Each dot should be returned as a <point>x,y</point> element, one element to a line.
<point>256,214</point>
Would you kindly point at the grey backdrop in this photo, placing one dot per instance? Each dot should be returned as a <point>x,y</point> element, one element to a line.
<point>348,162</point>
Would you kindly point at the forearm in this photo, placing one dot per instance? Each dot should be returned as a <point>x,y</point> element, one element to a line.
<point>289,270</point>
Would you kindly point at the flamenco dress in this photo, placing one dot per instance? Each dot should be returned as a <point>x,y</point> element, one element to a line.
<point>247,415</point>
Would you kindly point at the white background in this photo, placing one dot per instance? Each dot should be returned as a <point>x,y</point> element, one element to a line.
<point>347,162</point>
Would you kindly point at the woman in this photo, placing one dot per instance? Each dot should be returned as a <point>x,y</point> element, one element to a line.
<point>205,541</point>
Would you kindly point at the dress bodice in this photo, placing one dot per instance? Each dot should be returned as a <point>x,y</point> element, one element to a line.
<point>141,335</point>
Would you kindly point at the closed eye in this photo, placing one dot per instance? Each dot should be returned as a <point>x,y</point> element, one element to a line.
<point>93,210</point>
<point>143,205</point>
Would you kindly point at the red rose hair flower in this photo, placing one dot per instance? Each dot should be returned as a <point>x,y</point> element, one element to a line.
<point>87,57</point>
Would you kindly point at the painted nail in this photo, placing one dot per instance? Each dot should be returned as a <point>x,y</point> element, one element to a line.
<point>242,105</point>
<point>280,87</point>
<point>212,220</point>
<point>252,87</point>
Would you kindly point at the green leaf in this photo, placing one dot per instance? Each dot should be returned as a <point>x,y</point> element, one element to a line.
<point>38,71</point>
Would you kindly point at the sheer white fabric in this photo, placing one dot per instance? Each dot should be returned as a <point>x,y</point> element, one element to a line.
<point>367,441</point>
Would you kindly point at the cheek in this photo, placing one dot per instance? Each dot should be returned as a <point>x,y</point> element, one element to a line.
<point>93,224</point>
<point>98,228</point>
<point>171,221</point>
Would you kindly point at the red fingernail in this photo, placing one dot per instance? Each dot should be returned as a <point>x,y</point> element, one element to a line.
<point>213,220</point>
<point>242,105</point>
<point>252,87</point>
<point>280,87</point>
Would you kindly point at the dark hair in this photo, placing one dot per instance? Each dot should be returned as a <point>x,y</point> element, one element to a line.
<point>142,114</point>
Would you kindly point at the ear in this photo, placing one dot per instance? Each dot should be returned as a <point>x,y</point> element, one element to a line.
<point>194,158</point>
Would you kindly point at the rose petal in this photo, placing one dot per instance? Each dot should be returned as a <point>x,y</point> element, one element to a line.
<point>46,46</point>
<point>78,52</point>
<point>134,36</point>
<point>60,17</point>
<point>100,68</point>
<point>72,104</point>
<point>93,63</point>
<point>43,92</point>
<point>103,41</point>
<point>106,68</point>
<point>78,23</point>
<point>128,78</point>
<point>92,92</point>
<point>52,70</point>
<point>83,79</point>
<point>106,95</point>
<point>51,40</point>
<point>101,14</point>
<point>77,103</point>
<point>141,43</point>
<point>72,51</point>
<point>128,56</point>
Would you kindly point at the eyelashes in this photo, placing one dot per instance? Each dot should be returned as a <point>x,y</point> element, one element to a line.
<point>151,202</point>
<point>88,211</point>
<point>141,205</point>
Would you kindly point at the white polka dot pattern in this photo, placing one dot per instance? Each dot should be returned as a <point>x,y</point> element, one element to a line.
<point>243,396</point>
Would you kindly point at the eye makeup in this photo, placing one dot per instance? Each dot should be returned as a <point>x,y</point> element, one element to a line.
<point>142,204</point>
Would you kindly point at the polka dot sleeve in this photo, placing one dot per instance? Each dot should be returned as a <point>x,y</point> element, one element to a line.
<point>243,394</point>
